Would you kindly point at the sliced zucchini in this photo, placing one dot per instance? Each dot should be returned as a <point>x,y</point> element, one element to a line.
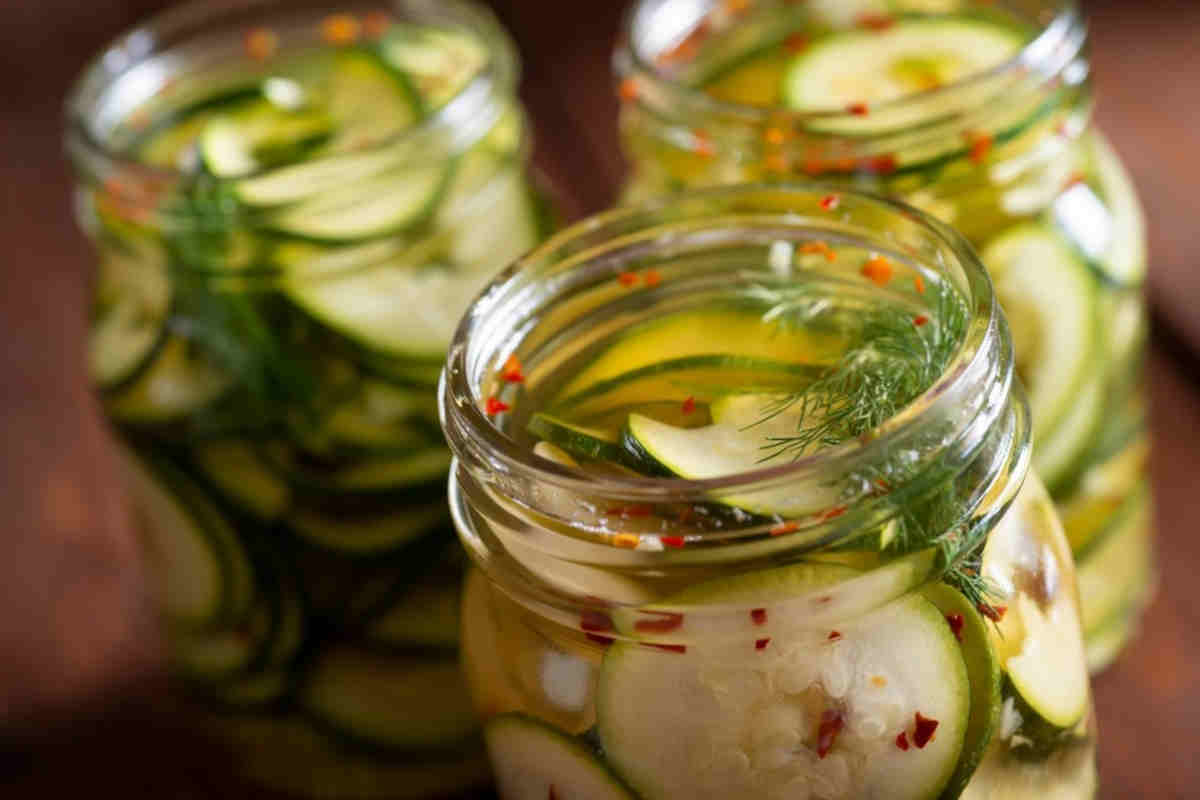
<point>259,690</point>
<point>440,62</point>
<point>405,704</point>
<point>259,136</point>
<point>738,720</point>
<point>534,761</point>
<point>736,442</point>
<point>211,656</point>
<point>380,418</point>
<point>180,381</point>
<point>237,470</point>
<point>1124,259</point>
<point>1039,637</point>
<point>877,67</point>
<point>1062,454</point>
<point>205,573</point>
<point>578,440</point>
<point>397,309</point>
<point>314,177</point>
<point>134,293</point>
<point>382,205</point>
<point>1115,572</point>
<point>399,472</point>
<point>286,754</point>
<point>368,100</point>
<point>499,225</point>
<point>367,535</point>
<point>1049,297</point>
<point>719,330</point>
<point>983,673</point>
<point>426,616</point>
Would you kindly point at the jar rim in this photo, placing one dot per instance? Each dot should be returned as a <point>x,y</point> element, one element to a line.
<point>179,24</point>
<point>1063,29</point>
<point>468,428</point>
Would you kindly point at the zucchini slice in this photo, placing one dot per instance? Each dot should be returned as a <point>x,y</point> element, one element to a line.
<point>253,138</point>
<point>578,440</point>
<point>367,536</point>
<point>178,382</point>
<point>402,704</point>
<point>235,468</point>
<point>131,329</point>
<point>391,472</point>
<point>426,616</point>
<point>1049,296</point>
<point>737,719</point>
<point>1116,571</point>
<point>534,761</point>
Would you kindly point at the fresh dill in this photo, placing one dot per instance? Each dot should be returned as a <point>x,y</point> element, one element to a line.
<point>897,355</point>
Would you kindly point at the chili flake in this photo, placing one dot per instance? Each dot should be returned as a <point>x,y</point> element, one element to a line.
<point>761,644</point>
<point>924,730</point>
<point>819,247</point>
<point>495,406</point>
<point>758,616</point>
<point>833,636</point>
<point>980,146</point>
<point>686,49</point>
<point>884,164</point>
<point>858,109</point>
<point>956,624</point>
<point>994,613</point>
<point>512,370</point>
<point>340,29</point>
<point>796,43</point>
<point>774,136</point>
<point>784,527</point>
<point>688,406</point>
<point>735,7</point>
<point>628,90</point>
<point>670,648</point>
<point>673,541</point>
<point>878,270</point>
<point>830,201</point>
<point>919,284</point>
<point>776,162</point>
<point>376,23</point>
<point>667,621</point>
<point>702,145</point>
<point>902,740</point>
<point>652,278</point>
<point>630,511</point>
<point>832,513</point>
<point>920,320</point>
<point>831,725</point>
<point>595,622</point>
<point>627,279</point>
<point>261,44</point>
<point>876,22</point>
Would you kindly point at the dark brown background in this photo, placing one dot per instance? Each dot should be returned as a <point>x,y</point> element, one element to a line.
<point>76,644</point>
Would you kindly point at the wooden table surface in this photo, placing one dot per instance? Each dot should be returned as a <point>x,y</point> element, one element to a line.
<point>76,641</point>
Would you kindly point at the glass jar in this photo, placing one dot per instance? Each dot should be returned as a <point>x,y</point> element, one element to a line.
<point>1007,155</point>
<point>291,205</point>
<point>656,637</point>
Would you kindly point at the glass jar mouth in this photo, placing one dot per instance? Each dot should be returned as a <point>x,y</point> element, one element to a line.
<point>181,25</point>
<point>1042,58</point>
<point>474,437</point>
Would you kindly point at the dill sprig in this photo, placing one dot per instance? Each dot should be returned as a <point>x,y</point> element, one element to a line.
<point>897,355</point>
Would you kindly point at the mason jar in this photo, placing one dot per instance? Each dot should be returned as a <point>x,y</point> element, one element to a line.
<point>889,610</point>
<point>291,205</point>
<point>980,113</point>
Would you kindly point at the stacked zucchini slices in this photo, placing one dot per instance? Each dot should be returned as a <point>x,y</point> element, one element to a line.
<point>269,339</point>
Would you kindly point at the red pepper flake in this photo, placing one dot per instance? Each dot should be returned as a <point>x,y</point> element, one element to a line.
<point>902,740</point>
<point>774,136</point>
<point>758,616</point>
<point>920,320</point>
<point>651,278</point>
<point>819,247</point>
<point>595,621</point>
<point>956,624</point>
<point>923,733</point>
<point>833,636</point>
<point>994,613</point>
<point>627,279</point>
<point>629,541</point>
<point>980,146</point>
<point>919,284</point>
<point>858,109</point>
<point>831,725</point>
<point>702,145</point>
<point>796,43</point>
<point>881,485</point>
<point>876,22</point>
<point>736,7</point>
<point>761,644</point>
<point>340,29</point>
<point>825,600</point>
<point>832,513</point>
<point>495,406</point>
<point>878,270</point>
<point>1074,179</point>
<point>670,648</point>
<point>689,405</point>
<point>686,513</point>
<point>511,371</point>
<point>776,162</point>
<point>784,527</point>
<point>666,622</point>
<point>884,164</point>
<point>261,43</point>
<point>830,201</point>
<point>627,512</point>
<point>673,541</point>
<point>376,23</point>
<point>628,90</point>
